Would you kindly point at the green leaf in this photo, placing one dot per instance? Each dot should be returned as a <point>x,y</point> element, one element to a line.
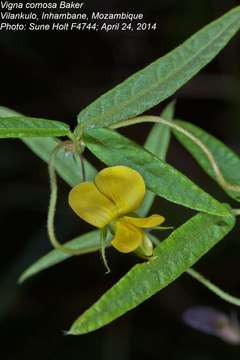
<point>158,139</point>
<point>19,127</point>
<point>163,77</point>
<point>227,161</point>
<point>88,243</point>
<point>6,112</point>
<point>157,143</point>
<point>183,248</point>
<point>160,178</point>
<point>66,167</point>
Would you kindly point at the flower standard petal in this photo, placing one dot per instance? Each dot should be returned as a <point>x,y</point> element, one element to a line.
<point>147,222</point>
<point>127,237</point>
<point>122,185</point>
<point>91,205</point>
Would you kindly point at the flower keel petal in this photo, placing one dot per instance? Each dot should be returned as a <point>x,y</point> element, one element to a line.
<point>127,237</point>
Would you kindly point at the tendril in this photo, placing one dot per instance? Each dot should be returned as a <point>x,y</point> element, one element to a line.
<point>215,289</point>
<point>156,119</point>
<point>53,202</point>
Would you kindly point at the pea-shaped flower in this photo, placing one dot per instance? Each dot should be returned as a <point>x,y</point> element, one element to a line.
<point>111,199</point>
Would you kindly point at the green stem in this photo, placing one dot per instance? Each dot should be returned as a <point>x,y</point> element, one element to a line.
<point>52,205</point>
<point>156,119</point>
<point>216,290</point>
<point>103,236</point>
<point>82,168</point>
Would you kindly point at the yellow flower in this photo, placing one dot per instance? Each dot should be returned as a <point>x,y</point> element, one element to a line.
<point>116,192</point>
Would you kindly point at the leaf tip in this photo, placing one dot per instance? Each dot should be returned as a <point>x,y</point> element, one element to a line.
<point>82,326</point>
<point>74,331</point>
<point>226,210</point>
<point>21,278</point>
<point>24,276</point>
<point>172,103</point>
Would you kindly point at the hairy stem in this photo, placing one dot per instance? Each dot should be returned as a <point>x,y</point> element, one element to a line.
<point>216,290</point>
<point>52,205</point>
<point>82,168</point>
<point>156,119</point>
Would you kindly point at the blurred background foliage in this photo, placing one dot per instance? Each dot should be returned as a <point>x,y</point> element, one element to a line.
<point>54,75</point>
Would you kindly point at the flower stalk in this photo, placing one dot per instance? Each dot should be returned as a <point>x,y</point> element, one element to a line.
<point>103,238</point>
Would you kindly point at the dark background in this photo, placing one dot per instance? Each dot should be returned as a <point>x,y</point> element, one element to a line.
<point>54,75</point>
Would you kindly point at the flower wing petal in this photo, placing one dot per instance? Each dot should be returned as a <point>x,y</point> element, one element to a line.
<point>127,237</point>
<point>91,205</point>
<point>147,222</point>
<point>122,185</point>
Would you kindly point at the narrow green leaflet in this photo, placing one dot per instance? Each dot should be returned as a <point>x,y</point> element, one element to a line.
<point>157,143</point>
<point>227,161</point>
<point>67,167</point>
<point>19,127</point>
<point>160,178</point>
<point>183,248</point>
<point>88,243</point>
<point>163,77</point>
